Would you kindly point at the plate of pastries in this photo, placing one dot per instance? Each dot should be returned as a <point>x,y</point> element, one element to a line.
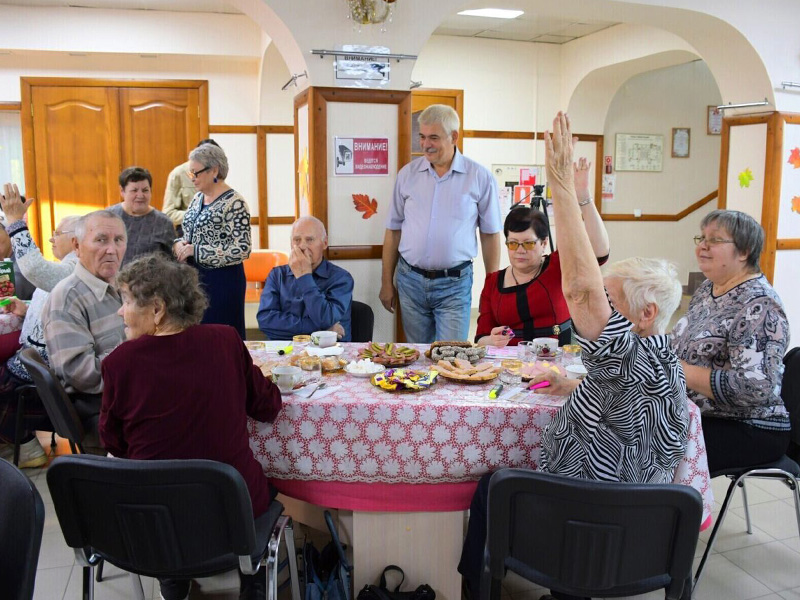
<point>464,371</point>
<point>389,355</point>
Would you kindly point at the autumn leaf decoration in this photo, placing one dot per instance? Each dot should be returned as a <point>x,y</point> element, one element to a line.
<point>796,204</point>
<point>745,177</point>
<point>794,158</point>
<point>363,204</point>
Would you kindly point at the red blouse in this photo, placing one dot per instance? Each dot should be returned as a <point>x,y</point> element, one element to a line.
<point>527,308</point>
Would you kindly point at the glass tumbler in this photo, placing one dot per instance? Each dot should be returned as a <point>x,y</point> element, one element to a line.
<point>312,368</point>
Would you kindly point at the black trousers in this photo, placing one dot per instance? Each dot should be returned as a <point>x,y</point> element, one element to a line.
<point>472,552</point>
<point>731,443</point>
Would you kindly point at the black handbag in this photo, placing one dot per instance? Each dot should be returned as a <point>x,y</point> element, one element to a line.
<point>327,574</point>
<point>381,592</point>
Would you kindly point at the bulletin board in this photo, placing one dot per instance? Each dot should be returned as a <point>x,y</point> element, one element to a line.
<point>789,207</point>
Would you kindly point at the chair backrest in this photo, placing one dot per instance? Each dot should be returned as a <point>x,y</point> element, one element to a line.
<point>590,538</point>
<point>57,403</point>
<point>175,518</point>
<point>790,390</point>
<point>256,270</point>
<point>260,262</point>
<point>362,322</point>
<point>21,526</point>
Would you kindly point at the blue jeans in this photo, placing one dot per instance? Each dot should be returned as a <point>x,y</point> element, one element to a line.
<point>434,309</point>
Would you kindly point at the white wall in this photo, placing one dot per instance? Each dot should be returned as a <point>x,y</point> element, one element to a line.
<point>654,103</point>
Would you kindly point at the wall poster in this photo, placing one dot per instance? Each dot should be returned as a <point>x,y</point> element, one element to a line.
<point>361,156</point>
<point>639,152</point>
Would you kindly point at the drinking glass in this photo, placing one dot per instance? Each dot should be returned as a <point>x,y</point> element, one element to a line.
<point>312,367</point>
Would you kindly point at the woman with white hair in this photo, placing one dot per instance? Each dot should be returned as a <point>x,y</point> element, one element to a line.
<point>216,237</point>
<point>628,420</point>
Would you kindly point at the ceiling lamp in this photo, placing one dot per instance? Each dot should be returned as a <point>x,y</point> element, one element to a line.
<point>370,12</point>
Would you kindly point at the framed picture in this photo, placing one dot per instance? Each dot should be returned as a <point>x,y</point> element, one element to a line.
<point>639,152</point>
<point>680,142</point>
<point>714,121</point>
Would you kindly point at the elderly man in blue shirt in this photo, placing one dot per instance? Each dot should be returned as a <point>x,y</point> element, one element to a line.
<point>309,294</point>
<point>439,200</point>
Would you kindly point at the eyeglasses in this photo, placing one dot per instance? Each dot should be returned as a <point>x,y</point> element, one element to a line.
<point>57,233</point>
<point>514,244</point>
<point>193,174</point>
<point>701,239</point>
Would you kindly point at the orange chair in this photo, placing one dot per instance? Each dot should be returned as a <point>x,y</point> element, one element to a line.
<point>257,268</point>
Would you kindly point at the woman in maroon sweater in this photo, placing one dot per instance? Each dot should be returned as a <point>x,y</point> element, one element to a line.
<point>177,389</point>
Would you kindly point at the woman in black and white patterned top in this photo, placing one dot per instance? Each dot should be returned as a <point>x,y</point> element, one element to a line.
<point>732,341</point>
<point>628,420</point>
<point>216,237</point>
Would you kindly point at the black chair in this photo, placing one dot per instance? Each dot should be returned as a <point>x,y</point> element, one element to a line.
<point>57,403</point>
<point>362,322</point>
<point>23,393</point>
<point>175,519</point>
<point>21,526</point>
<point>590,538</point>
<point>784,469</point>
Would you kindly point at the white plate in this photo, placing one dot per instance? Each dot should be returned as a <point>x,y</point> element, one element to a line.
<point>380,370</point>
<point>329,351</point>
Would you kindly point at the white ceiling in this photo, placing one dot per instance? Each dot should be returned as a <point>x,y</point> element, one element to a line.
<point>206,6</point>
<point>526,28</point>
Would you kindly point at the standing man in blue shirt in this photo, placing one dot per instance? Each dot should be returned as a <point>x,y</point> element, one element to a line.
<point>309,294</point>
<point>439,200</point>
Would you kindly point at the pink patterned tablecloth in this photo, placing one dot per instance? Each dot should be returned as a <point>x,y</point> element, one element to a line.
<point>362,448</point>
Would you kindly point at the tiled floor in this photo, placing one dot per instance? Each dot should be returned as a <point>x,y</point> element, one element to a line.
<point>765,564</point>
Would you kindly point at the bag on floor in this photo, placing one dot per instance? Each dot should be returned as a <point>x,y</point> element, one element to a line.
<point>327,574</point>
<point>381,592</point>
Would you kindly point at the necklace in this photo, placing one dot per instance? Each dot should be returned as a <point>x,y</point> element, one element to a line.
<point>535,275</point>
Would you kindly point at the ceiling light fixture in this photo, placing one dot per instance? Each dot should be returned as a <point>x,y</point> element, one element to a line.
<point>494,13</point>
<point>370,12</point>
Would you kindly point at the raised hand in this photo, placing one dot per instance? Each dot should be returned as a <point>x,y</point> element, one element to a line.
<point>558,157</point>
<point>581,178</point>
<point>12,203</point>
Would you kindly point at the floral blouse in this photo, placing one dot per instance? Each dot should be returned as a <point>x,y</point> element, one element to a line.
<point>741,336</point>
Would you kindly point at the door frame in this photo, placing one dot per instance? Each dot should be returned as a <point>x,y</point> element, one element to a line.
<point>26,120</point>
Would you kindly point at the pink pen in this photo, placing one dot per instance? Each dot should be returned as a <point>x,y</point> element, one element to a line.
<point>541,384</point>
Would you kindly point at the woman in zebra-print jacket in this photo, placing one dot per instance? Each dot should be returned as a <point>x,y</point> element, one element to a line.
<point>628,420</point>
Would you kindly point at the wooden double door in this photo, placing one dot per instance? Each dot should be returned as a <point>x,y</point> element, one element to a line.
<point>79,134</point>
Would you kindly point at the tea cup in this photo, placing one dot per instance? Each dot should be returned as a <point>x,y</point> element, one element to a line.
<point>324,339</point>
<point>539,345</point>
<point>576,371</point>
<point>286,377</point>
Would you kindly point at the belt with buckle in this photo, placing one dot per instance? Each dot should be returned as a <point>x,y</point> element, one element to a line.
<point>436,274</point>
<point>547,331</point>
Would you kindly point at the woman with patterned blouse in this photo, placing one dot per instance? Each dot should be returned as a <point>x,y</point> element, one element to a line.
<point>731,342</point>
<point>628,420</point>
<point>216,237</point>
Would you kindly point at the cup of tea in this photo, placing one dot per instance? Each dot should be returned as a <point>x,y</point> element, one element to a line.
<point>286,377</point>
<point>545,346</point>
<point>324,339</point>
<point>576,372</point>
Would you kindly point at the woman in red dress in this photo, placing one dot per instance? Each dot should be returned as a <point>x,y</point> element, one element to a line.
<point>525,298</point>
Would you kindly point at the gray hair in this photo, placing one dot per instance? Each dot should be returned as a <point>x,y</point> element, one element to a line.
<point>649,281</point>
<point>177,285</point>
<point>211,155</point>
<point>70,221</point>
<point>83,222</point>
<point>440,114</point>
<point>747,233</point>
<point>310,219</point>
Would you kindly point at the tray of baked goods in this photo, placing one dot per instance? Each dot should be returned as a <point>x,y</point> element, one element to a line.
<point>329,363</point>
<point>463,371</point>
<point>450,351</point>
<point>389,355</point>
